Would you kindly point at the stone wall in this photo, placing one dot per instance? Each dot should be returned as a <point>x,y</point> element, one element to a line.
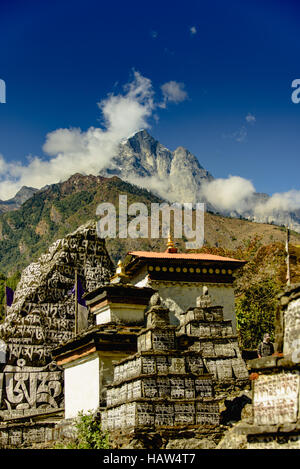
<point>168,386</point>
<point>179,296</point>
<point>274,420</point>
<point>23,432</point>
<point>290,302</point>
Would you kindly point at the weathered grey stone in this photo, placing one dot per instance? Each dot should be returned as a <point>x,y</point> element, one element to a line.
<point>172,386</point>
<point>272,421</point>
<point>155,300</point>
<point>233,439</point>
<point>191,443</point>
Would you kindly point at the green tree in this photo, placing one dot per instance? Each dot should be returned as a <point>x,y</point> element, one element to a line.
<point>255,312</point>
<point>89,434</point>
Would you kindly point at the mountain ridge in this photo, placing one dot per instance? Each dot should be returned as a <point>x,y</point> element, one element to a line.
<point>179,177</point>
<point>50,214</point>
<point>20,197</point>
<point>176,176</point>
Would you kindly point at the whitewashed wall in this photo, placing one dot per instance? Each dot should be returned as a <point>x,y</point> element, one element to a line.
<point>179,296</point>
<point>82,386</point>
<point>86,378</point>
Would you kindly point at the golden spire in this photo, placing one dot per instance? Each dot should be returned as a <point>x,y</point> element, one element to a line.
<point>170,244</point>
<point>120,276</point>
<point>120,268</point>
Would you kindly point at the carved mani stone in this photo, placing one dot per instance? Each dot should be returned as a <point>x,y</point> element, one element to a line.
<point>42,316</point>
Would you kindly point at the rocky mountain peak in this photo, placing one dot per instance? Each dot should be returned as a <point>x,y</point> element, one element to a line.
<point>142,160</point>
<point>24,194</point>
<point>143,137</point>
<point>15,202</point>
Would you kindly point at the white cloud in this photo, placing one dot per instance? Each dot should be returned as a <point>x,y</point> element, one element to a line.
<point>154,184</point>
<point>250,118</point>
<point>173,92</point>
<point>228,194</point>
<point>74,150</point>
<point>63,141</point>
<point>279,202</point>
<point>193,30</point>
<point>237,194</point>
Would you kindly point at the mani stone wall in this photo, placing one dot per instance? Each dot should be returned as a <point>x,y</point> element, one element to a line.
<point>41,317</point>
<point>274,421</point>
<point>290,304</point>
<point>168,386</point>
<point>203,330</point>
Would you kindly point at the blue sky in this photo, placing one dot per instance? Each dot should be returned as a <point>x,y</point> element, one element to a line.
<point>232,59</point>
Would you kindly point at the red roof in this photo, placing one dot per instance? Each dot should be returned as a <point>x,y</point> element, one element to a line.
<point>183,256</point>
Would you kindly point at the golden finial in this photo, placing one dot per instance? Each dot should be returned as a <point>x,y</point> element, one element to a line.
<point>120,268</point>
<point>120,275</point>
<point>170,244</point>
